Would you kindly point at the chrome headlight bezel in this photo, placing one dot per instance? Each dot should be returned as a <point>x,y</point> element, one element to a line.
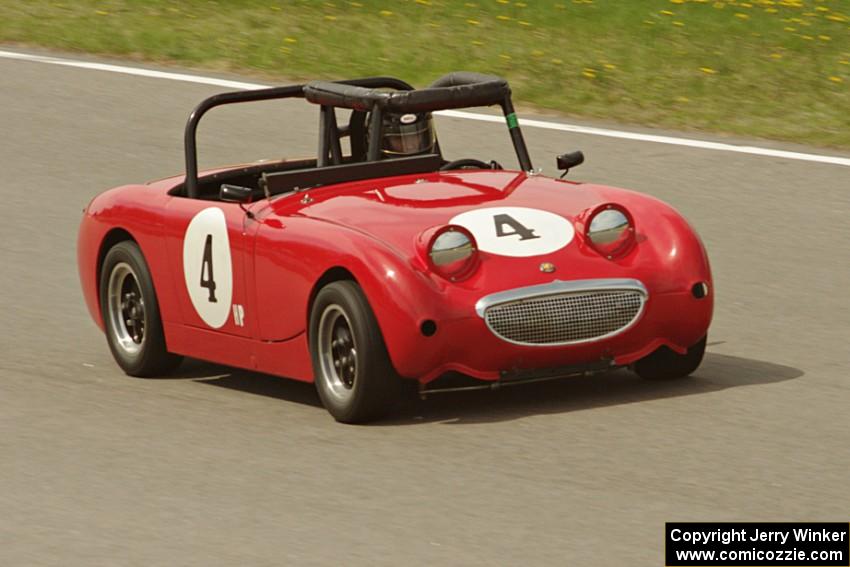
<point>610,230</point>
<point>452,253</point>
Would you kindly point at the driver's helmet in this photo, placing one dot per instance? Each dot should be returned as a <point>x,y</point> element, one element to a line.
<point>407,134</point>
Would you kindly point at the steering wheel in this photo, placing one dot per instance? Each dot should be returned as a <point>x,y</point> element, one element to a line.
<point>471,163</point>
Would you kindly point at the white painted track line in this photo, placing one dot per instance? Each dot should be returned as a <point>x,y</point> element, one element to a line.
<point>239,85</point>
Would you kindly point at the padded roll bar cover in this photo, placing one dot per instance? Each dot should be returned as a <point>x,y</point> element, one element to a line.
<point>467,78</point>
<point>344,96</point>
<point>455,90</point>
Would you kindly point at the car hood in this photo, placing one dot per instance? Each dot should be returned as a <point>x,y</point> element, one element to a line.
<point>399,209</point>
<point>531,220</point>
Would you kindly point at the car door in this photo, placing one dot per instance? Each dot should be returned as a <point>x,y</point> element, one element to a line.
<point>207,248</point>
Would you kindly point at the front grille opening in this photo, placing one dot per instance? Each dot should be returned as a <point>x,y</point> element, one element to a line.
<point>566,318</point>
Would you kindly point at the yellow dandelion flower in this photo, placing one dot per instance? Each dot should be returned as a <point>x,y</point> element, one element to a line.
<point>776,55</point>
<point>424,2</point>
<point>836,18</point>
<point>650,22</point>
<point>677,1</point>
<point>589,73</point>
<point>682,99</point>
<point>822,9</point>
<point>473,22</point>
<point>504,1</point>
<point>356,4</point>
<point>719,5</point>
<point>790,29</point>
<point>290,40</point>
<point>476,42</point>
<point>708,70</point>
<point>742,16</point>
<point>610,66</point>
<point>556,61</point>
<point>101,12</point>
<point>503,18</point>
<point>677,23</point>
<point>835,79</point>
<point>844,62</point>
<point>666,12</point>
<point>330,18</point>
<point>520,4</point>
<point>524,23</point>
<point>771,10</point>
<point>505,56</point>
<point>807,37</point>
<point>824,38</point>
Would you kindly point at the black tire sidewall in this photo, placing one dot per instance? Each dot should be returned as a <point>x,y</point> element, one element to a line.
<point>665,364</point>
<point>375,378</point>
<point>153,357</point>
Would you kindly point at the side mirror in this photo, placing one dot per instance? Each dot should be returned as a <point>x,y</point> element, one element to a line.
<point>235,193</point>
<point>569,160</point>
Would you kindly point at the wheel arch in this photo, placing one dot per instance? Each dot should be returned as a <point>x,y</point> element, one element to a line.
<point>334,274</point>
<point>110,239</point>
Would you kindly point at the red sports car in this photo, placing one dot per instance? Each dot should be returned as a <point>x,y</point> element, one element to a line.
<point>381,260</point>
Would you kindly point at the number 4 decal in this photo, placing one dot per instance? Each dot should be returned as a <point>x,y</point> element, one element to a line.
<point>207,278</point>
<point>516,231</point>
<point>502,219</point>
<point>208,267</point>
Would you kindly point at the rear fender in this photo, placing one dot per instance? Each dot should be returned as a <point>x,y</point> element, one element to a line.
<point>124,213</point>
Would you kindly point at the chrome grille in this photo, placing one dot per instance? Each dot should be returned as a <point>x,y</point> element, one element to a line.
<point>565,318</point>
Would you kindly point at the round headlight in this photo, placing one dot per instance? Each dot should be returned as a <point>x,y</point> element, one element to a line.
<point>611,231</point>
<point>453,253</point>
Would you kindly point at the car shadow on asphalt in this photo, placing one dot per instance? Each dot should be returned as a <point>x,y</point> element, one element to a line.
<point>247,381</point>
<point>717,372</point>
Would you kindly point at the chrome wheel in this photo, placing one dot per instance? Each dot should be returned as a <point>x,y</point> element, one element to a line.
<point>126,309</point>
<point>337,352</point>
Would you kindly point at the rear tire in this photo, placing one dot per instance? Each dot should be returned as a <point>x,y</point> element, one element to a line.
<point>665,364</point>
<point>131,316</point>
<point>353,373</point>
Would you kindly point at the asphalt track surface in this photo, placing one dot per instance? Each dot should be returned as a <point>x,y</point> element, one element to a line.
<point>214,466</point>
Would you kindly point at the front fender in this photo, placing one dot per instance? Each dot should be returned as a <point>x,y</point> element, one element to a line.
<point>291,258</point>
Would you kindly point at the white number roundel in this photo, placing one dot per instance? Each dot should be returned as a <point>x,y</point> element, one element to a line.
<point>207,267</point>
<point>516,231</point>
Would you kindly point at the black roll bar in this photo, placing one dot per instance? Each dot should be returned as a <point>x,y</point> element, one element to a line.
<point>455,90</point>
<point>189,137</point>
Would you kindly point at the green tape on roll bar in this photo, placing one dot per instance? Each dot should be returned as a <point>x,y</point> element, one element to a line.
<point>512,121</point>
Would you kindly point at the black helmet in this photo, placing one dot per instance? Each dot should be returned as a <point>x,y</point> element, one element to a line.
<point>407,134</point>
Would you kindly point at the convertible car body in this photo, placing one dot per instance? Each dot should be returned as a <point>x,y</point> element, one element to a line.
<point>357,271</point>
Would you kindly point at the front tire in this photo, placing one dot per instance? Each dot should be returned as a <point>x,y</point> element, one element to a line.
<point>353,373</point>
<point>665,364</point>
<point>131,314</point>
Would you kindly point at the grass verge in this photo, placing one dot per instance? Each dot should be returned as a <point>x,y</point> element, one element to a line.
<point>770,68</point>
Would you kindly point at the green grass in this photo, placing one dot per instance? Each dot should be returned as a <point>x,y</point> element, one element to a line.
<point>770,68</point>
